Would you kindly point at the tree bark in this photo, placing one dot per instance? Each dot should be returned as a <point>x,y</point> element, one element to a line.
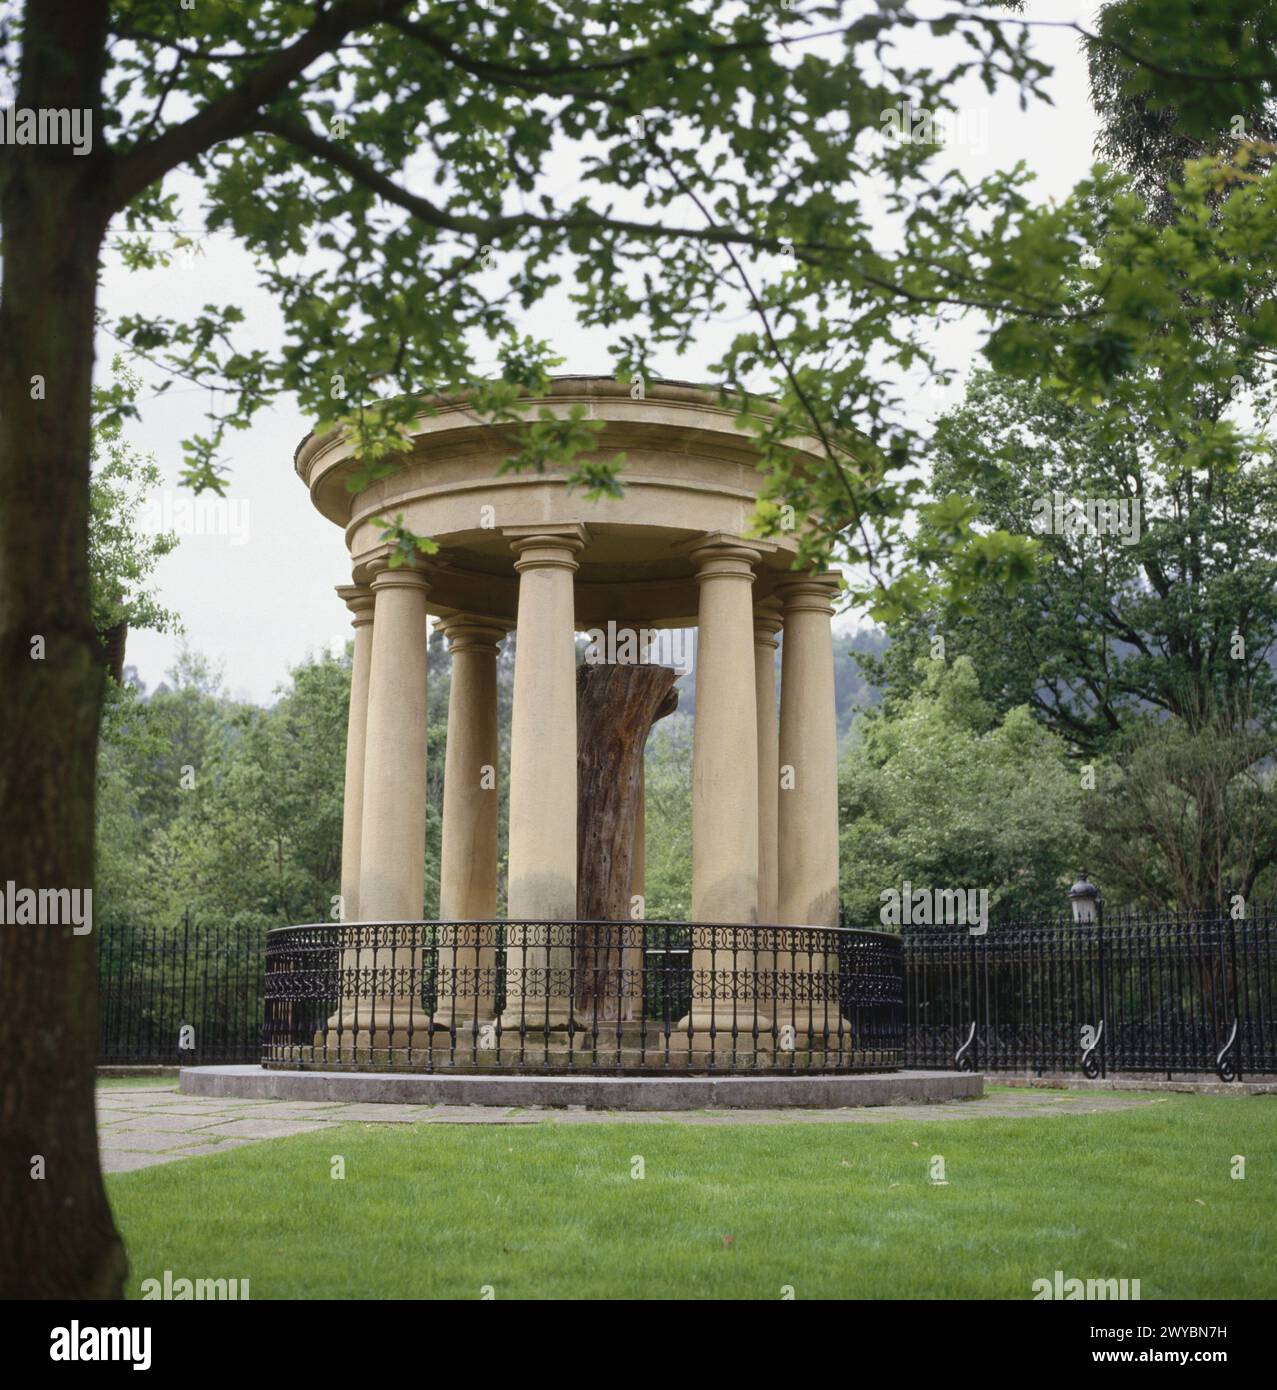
<point>57,1239</point>
<point>616,707</point>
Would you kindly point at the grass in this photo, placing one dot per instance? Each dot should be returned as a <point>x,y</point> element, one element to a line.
<point>835,1211</point>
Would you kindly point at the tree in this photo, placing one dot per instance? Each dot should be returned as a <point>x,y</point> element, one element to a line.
<point>944,794</point>
<point>732,136</point>
<point>1178,614</point>
<point>122,556</point>
<point>1186,816</point>
<point>1145,136</point>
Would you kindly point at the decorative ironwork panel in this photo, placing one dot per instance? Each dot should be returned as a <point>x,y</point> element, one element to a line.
<point>620,997</point>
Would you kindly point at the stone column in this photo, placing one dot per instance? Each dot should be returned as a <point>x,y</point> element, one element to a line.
<point>767,623</point>
<point>468,856</point>
<point>724,794</point>
<point>393,846</point>
<point>808,800</point>
<point>543,778</point>
<point>359,599</point>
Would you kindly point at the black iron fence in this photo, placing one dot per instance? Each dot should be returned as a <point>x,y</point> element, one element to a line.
<point>621,997</point>
<point>1170,992</point>
<point>188,993</point>
<point>1153,992</point>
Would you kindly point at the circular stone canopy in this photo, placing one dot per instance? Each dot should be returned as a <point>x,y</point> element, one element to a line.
<point>690,470</point>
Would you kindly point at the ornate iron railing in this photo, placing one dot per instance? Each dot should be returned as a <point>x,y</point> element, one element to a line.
<point>1171,992</point>
<point>186,994</point>
<point>618,997</point>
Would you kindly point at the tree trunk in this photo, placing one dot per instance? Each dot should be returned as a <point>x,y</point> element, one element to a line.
<point>616,706</point>
<point>57,1239</point>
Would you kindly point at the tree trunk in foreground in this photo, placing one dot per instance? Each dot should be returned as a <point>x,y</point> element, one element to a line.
<point>57,1239</point>
<point>616,706</point>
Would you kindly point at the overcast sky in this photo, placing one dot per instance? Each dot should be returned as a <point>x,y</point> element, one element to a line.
<point>260,598</point>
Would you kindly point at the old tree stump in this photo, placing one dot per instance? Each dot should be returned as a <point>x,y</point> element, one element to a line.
<point>616,706</point>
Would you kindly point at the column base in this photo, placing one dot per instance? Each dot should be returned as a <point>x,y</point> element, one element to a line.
<point>384,1032</point>
<point>745,1021</point>
<point>465,1018</point>
<point>539,1019</point>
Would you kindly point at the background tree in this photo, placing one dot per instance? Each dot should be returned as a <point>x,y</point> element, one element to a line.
<point>1186,816</point>
<point>122,555</point>
<point>944,793</point>
<point>1182,619</point>
<point>1142,133</point>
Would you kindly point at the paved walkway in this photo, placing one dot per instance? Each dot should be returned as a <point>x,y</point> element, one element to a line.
<point>140,1126</point>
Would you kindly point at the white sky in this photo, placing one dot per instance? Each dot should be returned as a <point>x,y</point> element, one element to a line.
<point>259,601</point>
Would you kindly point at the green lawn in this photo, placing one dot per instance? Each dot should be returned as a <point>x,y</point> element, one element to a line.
<point>844,1211</point>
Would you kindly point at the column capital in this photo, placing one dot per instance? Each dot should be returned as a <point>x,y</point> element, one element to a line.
<point>809,593</point>
<point>359,599</point>
<point>403,578</point>
<point>718,554</point>
<point>553,545</point>
<point>767,622</point>
<point>468,632</point>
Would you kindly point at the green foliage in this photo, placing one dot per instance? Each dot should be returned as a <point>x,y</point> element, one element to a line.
<point>122,557</point>
<point>235,812</point>
<point>944,794</point>
<point>229,810</point>
<point>1181,620</point>
<point>416,151</point>
<point>668,785</point>
<point>1148,139</point>
<point>1186,816</point>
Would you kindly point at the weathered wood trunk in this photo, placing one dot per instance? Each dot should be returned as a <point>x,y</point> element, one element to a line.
<point>56,1235</point>
<point>616,706</point>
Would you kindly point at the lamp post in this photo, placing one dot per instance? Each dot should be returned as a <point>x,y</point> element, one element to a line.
<point>1084,898</point>
<point>1086,902</point>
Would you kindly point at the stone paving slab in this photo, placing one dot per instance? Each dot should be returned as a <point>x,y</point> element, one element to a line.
<point>199,1150</point>
<point>484,1115</point>
<point>142,1142</point>
<point>113,1161</point>
<point>1198,1084</point>
<point>262,1129</point>
<point>143,1136</point>
<point>161,1124</point>
<point>390,1113</point>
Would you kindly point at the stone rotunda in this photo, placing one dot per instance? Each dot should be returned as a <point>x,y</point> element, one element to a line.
<point>525,553</point>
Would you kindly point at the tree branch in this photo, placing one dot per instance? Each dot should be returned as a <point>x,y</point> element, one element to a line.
<point>233,113</point>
